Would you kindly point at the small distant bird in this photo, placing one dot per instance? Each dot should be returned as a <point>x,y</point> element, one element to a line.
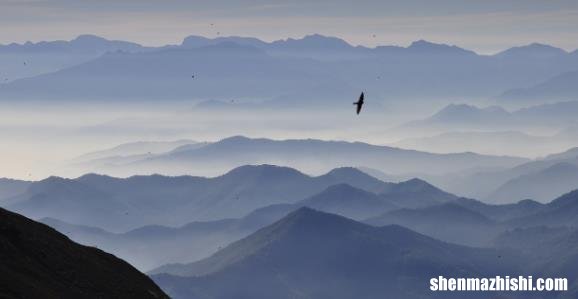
<point>24,62</point>
<point>193,76</point>
<point>359,103</point>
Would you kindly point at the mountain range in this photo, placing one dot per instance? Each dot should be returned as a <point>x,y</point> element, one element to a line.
<point>32,59</point>
<point>558,88</point>
<point>314,65</point>
<point>496,179</point>
<point>309,155</point>
<point>554,174</point>
<point>154,245</point>
<point>121,204</point>
<point>513,143</point>
<point>541,185</point>
<point>465,117</point>
<point>139,148</point>
<point>340,257</point>
<point>465,221</point>
<point>219,248</point>
<point>313,254</point>
<point>10,188</point>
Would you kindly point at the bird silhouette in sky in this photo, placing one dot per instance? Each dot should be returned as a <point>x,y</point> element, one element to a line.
<point>359,103</point>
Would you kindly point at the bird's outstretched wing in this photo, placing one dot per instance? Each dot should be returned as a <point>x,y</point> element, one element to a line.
<point>360,102</point>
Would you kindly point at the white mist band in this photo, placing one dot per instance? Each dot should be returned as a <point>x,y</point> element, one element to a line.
<point>498,283</point>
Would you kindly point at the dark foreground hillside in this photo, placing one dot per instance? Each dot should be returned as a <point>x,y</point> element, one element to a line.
<point>38,262</point>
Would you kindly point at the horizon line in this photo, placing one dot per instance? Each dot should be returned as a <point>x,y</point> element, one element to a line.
<point>567,51</point>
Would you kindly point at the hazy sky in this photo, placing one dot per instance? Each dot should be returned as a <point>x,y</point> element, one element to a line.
<point>483,25</point>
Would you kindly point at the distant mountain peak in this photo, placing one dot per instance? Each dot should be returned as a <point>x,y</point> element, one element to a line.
<point>263,170</point>
<point>460,112</point>
<point>419,186</point>
<point>323,38</point>
<point>89,37</point>
<point>93,176</point>
<point>422,43</point>
<point>415,182</point>
<point>533,50</point>
<point>347,172</point>
<point>426,47</point>
<point>236,138</point>
<point>314,41</point>
<point>54,180</point>
<point>306,221</point>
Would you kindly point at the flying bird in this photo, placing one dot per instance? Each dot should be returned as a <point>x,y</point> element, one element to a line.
<point>359,103</point>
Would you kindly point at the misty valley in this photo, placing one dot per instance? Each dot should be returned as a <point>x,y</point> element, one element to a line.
<point>270,231</point>
<point>230,167</point>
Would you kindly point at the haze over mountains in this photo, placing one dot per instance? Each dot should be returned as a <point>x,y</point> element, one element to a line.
<point>465,174</point>
<point>130,218</point>
<point>32,59</point>
<point>202,215</point>
<point>121,204</point>
<point>314,65</point>
<point>291,89</point>
<point>460,164</point>
<point>283,249</point>
<point>468,117</point>
<point>534,131</point>
<point>309,155</point>
<point>539,179</point>
<point>559,88</point>
<point>309,253</point>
